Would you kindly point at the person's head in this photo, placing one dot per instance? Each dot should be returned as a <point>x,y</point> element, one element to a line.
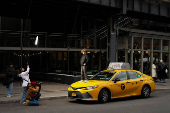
<point>10,64</point>
<point>161,61</point>
<point>20,71</point>
<point>154,62</point>
<point>33,84</point>
<point>84,51</point>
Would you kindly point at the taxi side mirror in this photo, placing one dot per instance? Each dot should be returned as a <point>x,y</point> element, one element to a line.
<point>117,79</point>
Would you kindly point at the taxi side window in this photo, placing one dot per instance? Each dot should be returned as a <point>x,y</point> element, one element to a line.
<point>122,76</point>
<point>134,75</point>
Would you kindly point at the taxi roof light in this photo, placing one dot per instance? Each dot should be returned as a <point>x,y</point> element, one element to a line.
<point>118,66</point>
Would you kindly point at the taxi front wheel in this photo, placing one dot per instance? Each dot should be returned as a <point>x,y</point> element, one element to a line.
<point>145,91</point>
<point>103,96</point>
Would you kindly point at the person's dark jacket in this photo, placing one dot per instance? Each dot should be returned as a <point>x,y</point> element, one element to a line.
<point>9,75</point>
<point>161,71</point>
<point>84,60</point>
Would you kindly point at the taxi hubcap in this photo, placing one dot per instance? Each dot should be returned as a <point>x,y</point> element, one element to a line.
<point>146,91</point>
<point>105,96</point>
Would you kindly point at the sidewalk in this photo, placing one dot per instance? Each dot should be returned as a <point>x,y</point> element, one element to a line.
<point>52,90</point>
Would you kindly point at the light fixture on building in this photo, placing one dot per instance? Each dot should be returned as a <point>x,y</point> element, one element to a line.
<point>36,41</point>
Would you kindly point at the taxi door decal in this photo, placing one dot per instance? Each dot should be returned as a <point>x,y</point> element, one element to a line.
<point>122,86</point>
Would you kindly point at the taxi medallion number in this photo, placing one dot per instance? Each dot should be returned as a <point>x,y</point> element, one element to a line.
<point>73,94</point>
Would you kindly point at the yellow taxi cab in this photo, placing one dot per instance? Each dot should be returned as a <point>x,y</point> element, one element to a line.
<point>116,82</point>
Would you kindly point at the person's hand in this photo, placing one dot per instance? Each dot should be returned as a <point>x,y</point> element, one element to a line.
<point>84,64</point>
<point>27,66</point>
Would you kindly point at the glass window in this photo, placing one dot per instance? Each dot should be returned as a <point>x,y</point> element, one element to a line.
<point>165,57</point>
<point>137,60</point>
<point>147,44</point>
<point>156,44</point>
<point>134,75</point>
<point>165,45</point>
<point>146,62</point>
<point>122,76</point>
<point>129,42</point>
<point>156,57</point>
<point>137,43</point>
<point>103,76</point>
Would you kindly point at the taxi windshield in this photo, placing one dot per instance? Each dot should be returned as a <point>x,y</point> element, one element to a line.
<point>103,76</point>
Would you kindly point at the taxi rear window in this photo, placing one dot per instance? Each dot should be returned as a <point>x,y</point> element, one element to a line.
<point>103,76</point>
<point>134,75</point>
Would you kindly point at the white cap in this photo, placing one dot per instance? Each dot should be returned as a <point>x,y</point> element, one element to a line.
<point>161,60</point>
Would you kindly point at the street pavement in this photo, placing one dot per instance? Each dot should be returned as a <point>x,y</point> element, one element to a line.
<point>53,90</point>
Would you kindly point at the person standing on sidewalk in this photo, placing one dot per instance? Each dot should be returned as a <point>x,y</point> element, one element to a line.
<point>154,76</point>
<point>83,62</point>
<point>9,78</point>
<point>162,71</point>
<point>26,80</point>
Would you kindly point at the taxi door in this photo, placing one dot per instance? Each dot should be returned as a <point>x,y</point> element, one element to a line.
<point>120,88</point>
<point>136,82</point>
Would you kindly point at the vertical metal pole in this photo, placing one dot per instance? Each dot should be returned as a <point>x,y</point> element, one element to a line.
<point>95,38</point>
<point>142,56</point>
<point>131,61</point>
<point>161,51</point>
<point>68,60</point>
<point>21,39</point>
<point>117,41</point>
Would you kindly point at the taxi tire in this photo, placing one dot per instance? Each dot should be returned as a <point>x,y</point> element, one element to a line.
<point>103,96</point>
<point>145,91</point>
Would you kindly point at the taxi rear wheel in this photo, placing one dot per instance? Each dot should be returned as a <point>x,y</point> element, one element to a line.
<point>103,96</point>
<point>145,91</point>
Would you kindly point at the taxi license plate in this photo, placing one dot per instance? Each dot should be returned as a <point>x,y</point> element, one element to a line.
<point>73,94</point>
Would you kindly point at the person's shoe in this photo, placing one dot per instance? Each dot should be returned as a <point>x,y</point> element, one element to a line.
<point>22,102</point>
<point>27,103</point>
<point>86,81</point>
<point>81,81</point>
<point>9,96</point>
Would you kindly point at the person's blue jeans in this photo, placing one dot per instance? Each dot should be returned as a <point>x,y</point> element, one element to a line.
<point>35,102</point>
<point>23,98</point>
<point>163,80</point>
<point>9,89</point>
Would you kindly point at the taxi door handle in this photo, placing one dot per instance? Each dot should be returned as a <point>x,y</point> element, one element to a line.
<point>141,80</point>
<point>127,82</point>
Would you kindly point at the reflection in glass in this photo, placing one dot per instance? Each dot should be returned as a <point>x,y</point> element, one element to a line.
<point>137,43</point>
<point>146,62</point>
<point>121,56</point>
<point>156,44</point>
<point>147,44</point>
<point>165,57</point>
<point>165,45</point>
<point>156,57</point>
<point>137,60</point>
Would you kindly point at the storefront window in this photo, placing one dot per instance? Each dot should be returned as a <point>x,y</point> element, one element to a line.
<point>147,44</point>
<point>165,57</point>
<point>121,43</point>
<point>156,44</point>
<point>146,62</point>
<point>121,56</point>
<point>137,60</point>
<point>165,45</point>
<point>156,57</point>
<point>129,42</point>
<point>137,43</point>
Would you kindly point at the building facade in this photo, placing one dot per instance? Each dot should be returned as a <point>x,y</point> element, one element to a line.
<point>134,31</point>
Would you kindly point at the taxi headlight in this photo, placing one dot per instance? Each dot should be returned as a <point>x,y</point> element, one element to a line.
<point>90,87</point>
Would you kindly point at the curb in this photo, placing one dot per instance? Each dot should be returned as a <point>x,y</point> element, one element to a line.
<point>44,98</point>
